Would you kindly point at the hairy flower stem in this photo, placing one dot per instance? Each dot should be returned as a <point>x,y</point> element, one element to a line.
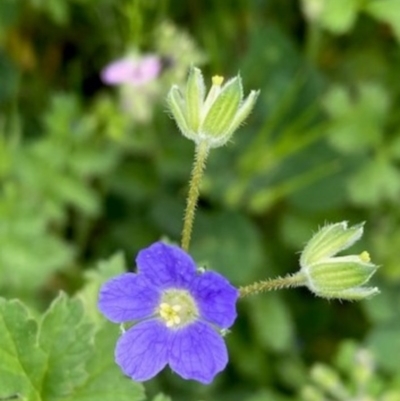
<point>290,281</point>
<point>199,165</point>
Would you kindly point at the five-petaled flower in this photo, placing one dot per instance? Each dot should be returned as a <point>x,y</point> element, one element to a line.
<point>178,313</point>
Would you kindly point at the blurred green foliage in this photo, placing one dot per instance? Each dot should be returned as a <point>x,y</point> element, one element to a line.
<point>82,176</point>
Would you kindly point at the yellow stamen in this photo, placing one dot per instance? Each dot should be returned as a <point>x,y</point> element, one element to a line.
<point>217,80</point>
<point>177,308</point>
<point>364,256</point>
<point>170,314</point>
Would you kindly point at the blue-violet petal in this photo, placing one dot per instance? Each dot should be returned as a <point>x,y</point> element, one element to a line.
<point>127,297</point>
<point>216,299</point>
<point>142,351</point>
<point>166,265</point>
<point>198,352</point>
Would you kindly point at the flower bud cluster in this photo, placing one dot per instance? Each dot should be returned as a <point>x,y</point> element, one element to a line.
<point>213,118</point>
<point>331,276</point>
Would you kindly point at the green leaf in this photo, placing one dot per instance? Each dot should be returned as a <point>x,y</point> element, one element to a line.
<point>385,309</point>
<point>378,180</point>
<point>229,243</point>
<point>94,279</point>
<point>22,362</point>
<point>66,337</point>
<point>27,262</point>
<point>60,360</point>
<point>271,321</point>
<point>356,124</point>
<point>384,342</point>
<point>88,162</point>
<point>71,190</point>
<point>104,379</point>
<point>29,253</point>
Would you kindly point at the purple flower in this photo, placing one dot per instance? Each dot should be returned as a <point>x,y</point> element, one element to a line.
<point>178,313</point>
<point>135,71</point>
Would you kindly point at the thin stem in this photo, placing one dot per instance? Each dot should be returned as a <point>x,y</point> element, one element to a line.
<point>313,41</point>
<point>199,165</point>
<point>290,281</point>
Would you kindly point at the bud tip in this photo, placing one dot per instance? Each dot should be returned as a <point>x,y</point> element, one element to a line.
<point>364,256</point>
<point>217,80</point>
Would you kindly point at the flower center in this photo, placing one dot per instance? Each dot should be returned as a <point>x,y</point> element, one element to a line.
<point>177,308</point>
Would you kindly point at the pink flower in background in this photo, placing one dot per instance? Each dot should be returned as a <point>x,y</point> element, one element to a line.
<point>135,71</point>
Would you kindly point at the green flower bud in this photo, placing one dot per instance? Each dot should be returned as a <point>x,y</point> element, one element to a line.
<point>332,276</point>
<point>212,119</point>
<point>330,240</point>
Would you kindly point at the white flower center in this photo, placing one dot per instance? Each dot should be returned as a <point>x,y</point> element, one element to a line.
<point>177,308</point>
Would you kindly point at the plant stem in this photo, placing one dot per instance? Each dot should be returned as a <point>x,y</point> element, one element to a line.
<point>199,165</point>
<point>313,41</point>
<point>290,281</point>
